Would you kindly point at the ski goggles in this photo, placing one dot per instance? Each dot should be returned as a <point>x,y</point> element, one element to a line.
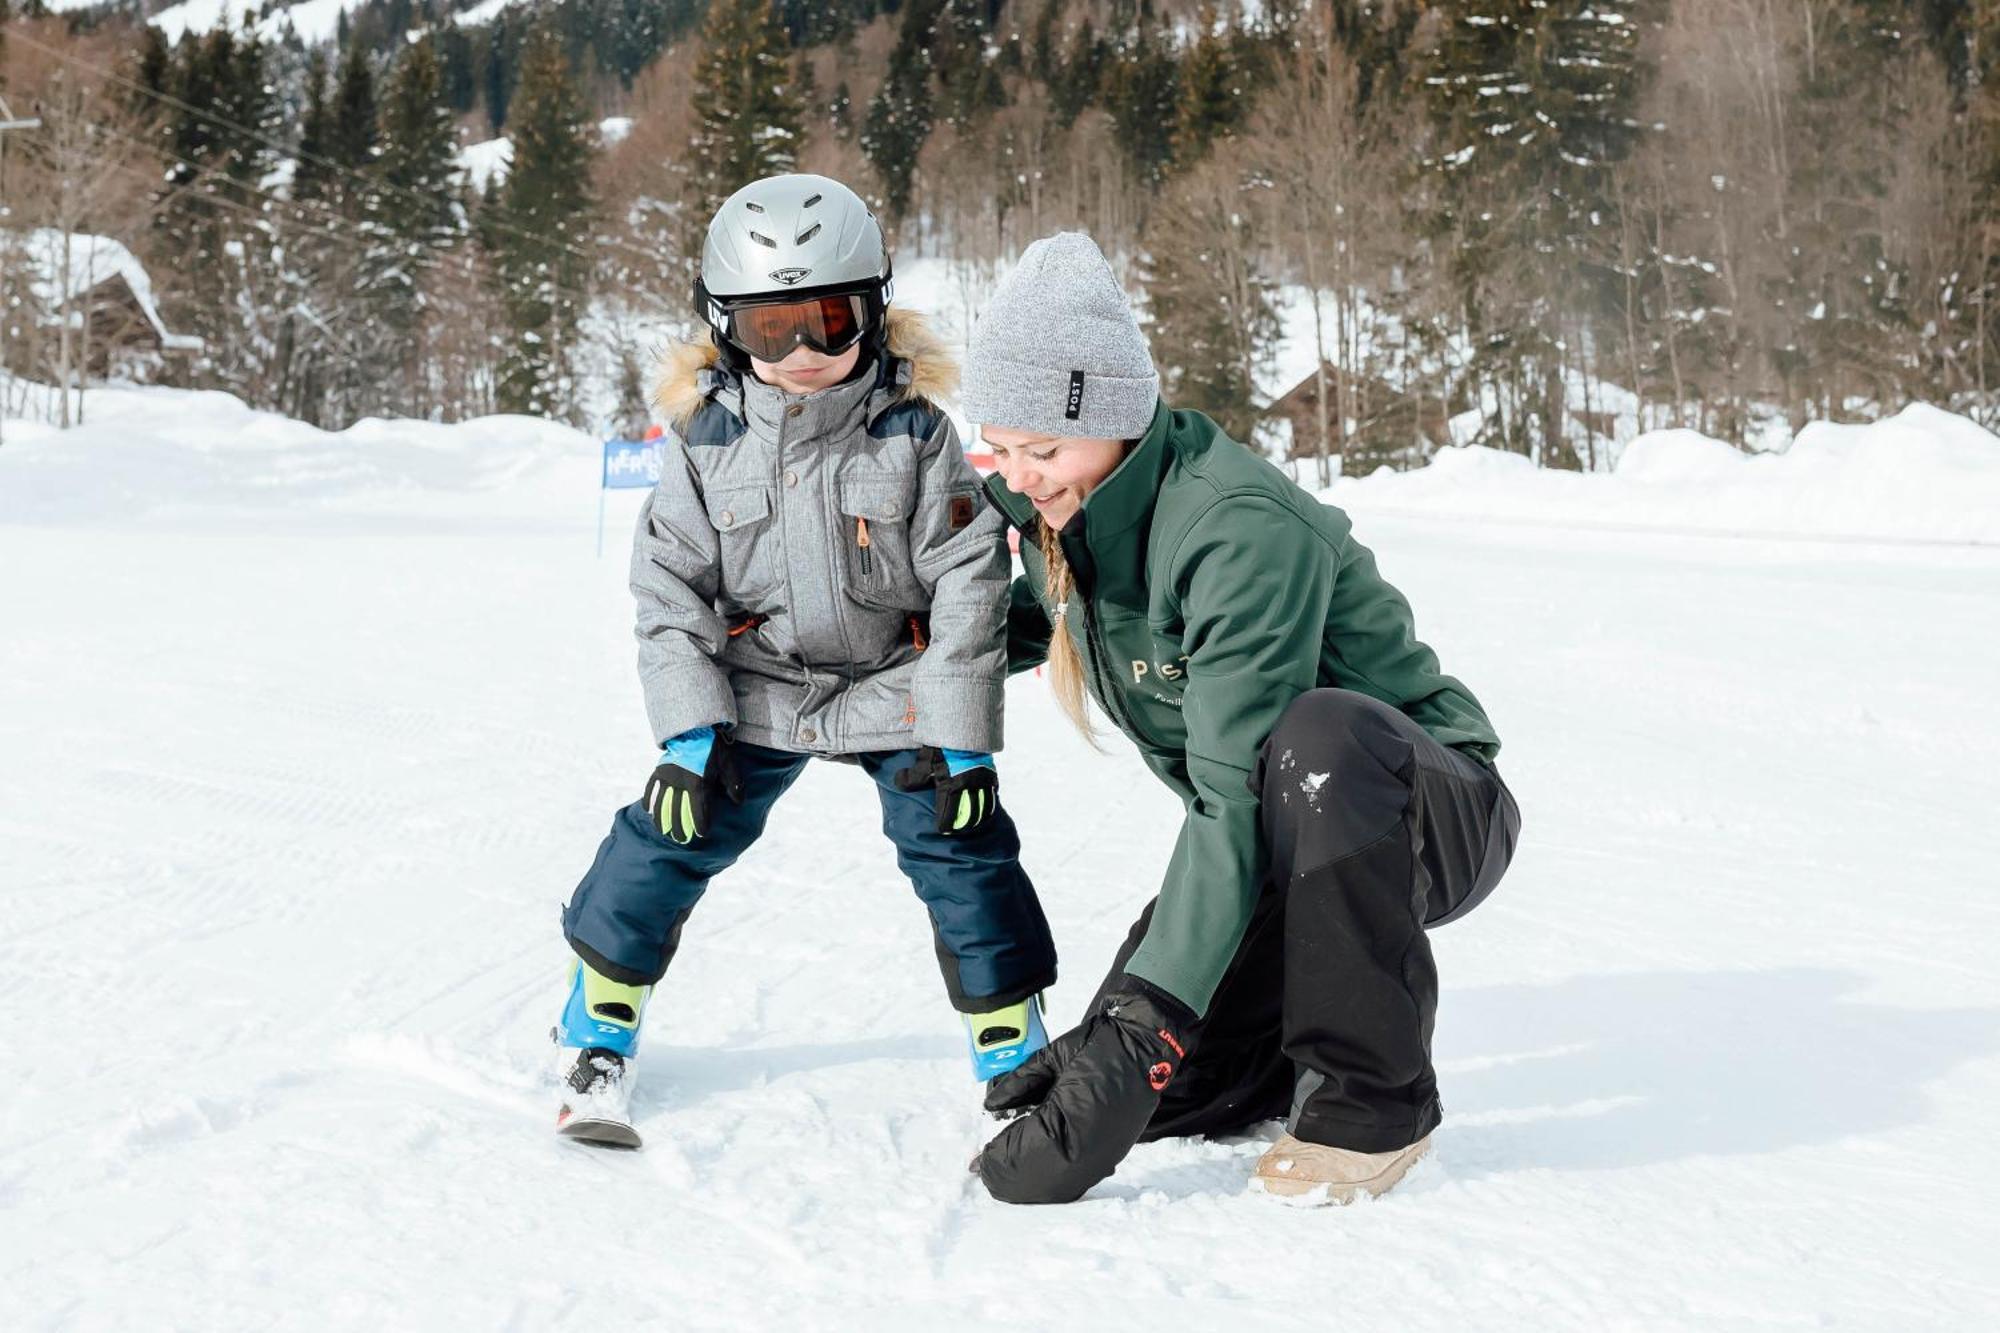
<point>828,325</point>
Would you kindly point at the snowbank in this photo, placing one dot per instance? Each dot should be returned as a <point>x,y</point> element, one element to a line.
<point>1924,475</point>
<point>166,451</point>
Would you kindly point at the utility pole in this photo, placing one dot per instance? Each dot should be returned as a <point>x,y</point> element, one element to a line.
<point>7,122</point>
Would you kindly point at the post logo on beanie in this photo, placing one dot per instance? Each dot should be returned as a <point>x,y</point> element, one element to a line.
<point>1075,408</point>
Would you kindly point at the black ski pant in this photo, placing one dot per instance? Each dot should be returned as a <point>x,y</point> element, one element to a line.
<point>1375,834</point>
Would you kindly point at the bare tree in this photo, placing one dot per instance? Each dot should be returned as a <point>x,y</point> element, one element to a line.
<point>79,178</point>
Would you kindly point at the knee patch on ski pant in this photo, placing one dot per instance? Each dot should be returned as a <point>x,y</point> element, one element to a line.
<point>626,915</point>
<point>992,939</point>
<point>1335,775</point>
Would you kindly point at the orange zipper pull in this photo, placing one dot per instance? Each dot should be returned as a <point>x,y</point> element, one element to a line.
<point>861,531</point>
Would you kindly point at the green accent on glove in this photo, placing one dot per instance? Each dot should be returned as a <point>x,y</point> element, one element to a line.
<point>677,818</point>
<point>964,817</point>
<point>972,809</point>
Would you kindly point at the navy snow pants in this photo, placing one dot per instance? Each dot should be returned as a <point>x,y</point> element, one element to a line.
<point>992,940</point>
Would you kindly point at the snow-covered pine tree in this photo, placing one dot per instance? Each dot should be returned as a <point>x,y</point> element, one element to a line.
<point>419,213</point>
<point>1214,98</point>
<point>210,217</point>
<point>748,119</point>
<point>902,111</point>
<point>496,70</point>
<point>355,269</point>
<point>1209,310</point>
<point>1141,89</point>
<point>541,231</point>
<point>1529,104</point>
<point>1080,78</point>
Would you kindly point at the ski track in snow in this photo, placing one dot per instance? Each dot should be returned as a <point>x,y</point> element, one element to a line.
<point>294,791</point>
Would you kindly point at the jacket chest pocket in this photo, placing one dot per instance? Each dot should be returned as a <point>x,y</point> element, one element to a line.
<point>747,541</point>
<point>875,541</point>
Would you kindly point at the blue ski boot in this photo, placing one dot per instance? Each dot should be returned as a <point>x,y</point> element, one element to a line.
<point>597,1038</point>
<point>1004,1038</point>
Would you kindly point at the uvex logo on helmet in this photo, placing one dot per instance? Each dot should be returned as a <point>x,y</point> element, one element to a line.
<point>790,277</point>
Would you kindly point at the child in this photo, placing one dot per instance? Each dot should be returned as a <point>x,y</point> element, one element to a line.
<point>817,575</point>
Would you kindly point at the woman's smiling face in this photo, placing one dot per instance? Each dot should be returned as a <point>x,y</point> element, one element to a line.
<point>1055,472</point>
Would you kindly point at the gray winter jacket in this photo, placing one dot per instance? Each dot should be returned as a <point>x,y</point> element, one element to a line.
<point>821,571</point>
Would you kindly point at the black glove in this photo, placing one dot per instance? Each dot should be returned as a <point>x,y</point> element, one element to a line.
<point>1090,1095</point>
<point>691,765</point>
<point>968,787</point>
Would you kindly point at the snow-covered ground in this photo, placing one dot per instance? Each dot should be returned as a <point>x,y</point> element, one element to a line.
<point>314,21</point>
<point>307,737</point>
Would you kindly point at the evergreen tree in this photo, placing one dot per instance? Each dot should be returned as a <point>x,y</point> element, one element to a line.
<point>1142,92</point>
<point>840,112</point>
<point>497,73</point>
<point>350,131</point>
<point>1530,105</point>
<point>1376,34</point>
<point>1081,77</point>
<point>153,71</point>
<point>210,217</point>
<point>310,178</point>
<point>749,122</point>
<point>420,217</point>
<point>901,113</point>
<point>1213,101</point>
<point>540,231</point>
<point>460,74</point>
<point>1210,313</point>
<point>1042,44</point>
<point>970,83</point>
<point>1841,293</point>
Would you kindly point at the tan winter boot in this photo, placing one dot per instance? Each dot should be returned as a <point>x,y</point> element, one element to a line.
<point>1314,1173</point>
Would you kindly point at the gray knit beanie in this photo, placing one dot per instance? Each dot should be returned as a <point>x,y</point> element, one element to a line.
<point>1057,350</point>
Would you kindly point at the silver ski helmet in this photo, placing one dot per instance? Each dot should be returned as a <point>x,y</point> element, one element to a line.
<point>793,260</point>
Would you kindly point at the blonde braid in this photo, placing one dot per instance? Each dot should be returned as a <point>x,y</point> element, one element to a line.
<point>1065,666</point>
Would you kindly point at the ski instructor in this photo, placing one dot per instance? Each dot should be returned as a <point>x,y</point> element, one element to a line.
<point>1340,791</point>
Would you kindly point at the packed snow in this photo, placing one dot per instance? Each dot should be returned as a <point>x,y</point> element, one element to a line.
<point>309,734</point>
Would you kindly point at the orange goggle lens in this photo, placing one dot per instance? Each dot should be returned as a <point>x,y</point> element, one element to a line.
<point>827,324</point>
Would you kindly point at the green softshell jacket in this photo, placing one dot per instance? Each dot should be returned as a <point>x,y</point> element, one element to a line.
<point>1211,591</point>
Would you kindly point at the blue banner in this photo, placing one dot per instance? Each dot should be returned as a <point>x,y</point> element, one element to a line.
<point>631,463</point>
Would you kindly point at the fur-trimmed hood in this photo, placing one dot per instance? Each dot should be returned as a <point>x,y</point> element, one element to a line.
<point>923,367</point>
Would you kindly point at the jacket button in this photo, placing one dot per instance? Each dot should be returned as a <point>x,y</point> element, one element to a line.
<point>727,518</point>
<point>791,479</point>
<point>796,410</point>
<point>808,735</point>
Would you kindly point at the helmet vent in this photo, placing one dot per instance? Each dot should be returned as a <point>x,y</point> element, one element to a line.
<point>807,234</point>
<point>810,202</point>
<point>753,206</point>
<point>762,239</point>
